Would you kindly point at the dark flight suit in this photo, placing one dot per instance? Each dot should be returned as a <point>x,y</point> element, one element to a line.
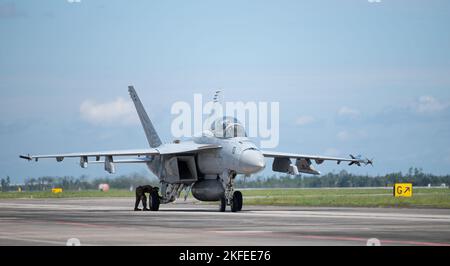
<point>140,196</point>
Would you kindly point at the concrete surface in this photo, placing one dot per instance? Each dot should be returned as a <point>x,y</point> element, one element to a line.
<point>111,221</point>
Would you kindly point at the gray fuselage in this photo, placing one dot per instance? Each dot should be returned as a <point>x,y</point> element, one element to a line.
<point>238,154</point>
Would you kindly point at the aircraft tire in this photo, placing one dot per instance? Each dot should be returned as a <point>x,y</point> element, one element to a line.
<point>223,204</point>
<point>239,200</point>
<point>154,202</point>
<point>235,203</point>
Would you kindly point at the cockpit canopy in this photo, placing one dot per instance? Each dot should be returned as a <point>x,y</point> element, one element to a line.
<point>228,127</point>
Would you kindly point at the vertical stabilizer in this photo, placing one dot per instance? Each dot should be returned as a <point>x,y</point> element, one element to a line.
<point>150,132</point>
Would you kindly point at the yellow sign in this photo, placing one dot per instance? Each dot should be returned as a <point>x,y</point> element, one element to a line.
<point>403,190</point>
<point>57,190</point>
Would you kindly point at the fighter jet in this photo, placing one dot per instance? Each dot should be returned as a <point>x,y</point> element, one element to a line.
<point>206,165</point>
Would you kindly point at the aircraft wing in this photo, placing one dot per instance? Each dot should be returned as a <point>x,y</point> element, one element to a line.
<point>143,155</point>
<point>60,157</point>
<point>165,149</point>
<point>282,162</point>
<point>318,159</point>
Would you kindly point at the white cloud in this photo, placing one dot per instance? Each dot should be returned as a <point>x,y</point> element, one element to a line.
<point>349,112</point>
<point>429,104</point>
<point>119,112</point>
<point>304,120</point>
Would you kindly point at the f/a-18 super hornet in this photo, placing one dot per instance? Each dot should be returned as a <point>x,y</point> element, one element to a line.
<point>206,165</point>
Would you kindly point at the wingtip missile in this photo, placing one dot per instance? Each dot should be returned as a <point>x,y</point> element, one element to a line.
<point>26,157</point>
<point>356,160</point>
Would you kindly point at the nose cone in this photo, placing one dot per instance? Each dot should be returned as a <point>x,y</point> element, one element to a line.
<point>251,161</point>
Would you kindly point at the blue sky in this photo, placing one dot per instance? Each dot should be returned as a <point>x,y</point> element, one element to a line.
<point>351,76</point>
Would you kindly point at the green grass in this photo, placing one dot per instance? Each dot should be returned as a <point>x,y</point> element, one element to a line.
<point>422,197</point>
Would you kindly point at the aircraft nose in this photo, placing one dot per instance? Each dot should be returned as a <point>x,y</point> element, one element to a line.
<point>251,161</point>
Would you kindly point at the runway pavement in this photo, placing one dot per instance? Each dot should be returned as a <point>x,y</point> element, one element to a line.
<point>111,221</point>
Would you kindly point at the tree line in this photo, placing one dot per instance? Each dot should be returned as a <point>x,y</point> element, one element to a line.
<point>345,179</point>
<point>341,179</point>
<point>83,182</point>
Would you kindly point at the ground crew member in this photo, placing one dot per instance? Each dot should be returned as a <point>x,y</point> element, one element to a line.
<point>140,196</point>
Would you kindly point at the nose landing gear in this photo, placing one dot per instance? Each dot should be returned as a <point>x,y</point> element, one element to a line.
<point>223,204</point>
<point>232,198</point>
<point>236,202</point>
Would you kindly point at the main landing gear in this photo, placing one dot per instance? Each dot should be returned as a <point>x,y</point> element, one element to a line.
<point>154,201</point>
